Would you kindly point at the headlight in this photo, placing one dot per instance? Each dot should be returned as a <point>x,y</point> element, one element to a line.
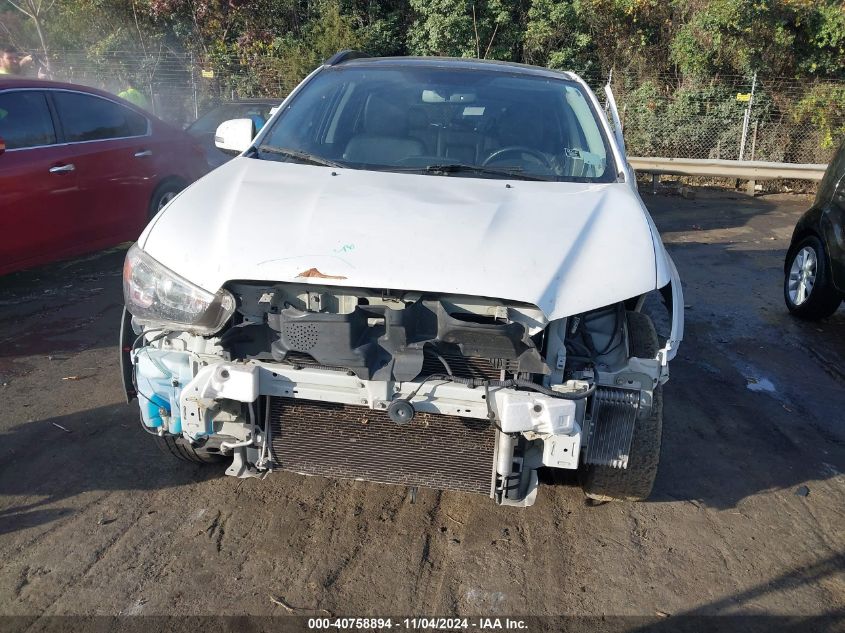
<point>158,297</point>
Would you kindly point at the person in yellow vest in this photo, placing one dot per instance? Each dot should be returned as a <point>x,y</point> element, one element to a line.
<point>135,96</point>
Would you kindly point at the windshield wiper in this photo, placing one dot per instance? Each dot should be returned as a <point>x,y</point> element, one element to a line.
<point>455,168</point>
<point>298,155</point>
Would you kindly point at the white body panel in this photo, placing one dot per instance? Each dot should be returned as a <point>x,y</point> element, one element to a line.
<point>564,247</point>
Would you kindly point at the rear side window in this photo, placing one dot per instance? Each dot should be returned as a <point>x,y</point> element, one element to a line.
<point>25,120</point>
<point>208,122</point>
<point>89,118</point>
<point>833,176</point>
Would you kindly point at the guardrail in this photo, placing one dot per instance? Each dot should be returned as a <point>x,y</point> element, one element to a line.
<point>741,169</point>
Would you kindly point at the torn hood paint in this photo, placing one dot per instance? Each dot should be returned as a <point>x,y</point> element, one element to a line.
<point>564,247</point>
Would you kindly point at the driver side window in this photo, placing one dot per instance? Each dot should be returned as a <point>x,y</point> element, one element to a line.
<point>25,119</point>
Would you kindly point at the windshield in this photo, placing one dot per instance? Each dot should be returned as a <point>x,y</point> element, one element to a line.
<point>208,122</point>
<point>469,122</point>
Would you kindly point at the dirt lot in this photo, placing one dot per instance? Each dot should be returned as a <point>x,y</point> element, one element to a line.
<point>94,520</point>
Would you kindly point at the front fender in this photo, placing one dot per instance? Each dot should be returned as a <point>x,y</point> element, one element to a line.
<point>676,335</point>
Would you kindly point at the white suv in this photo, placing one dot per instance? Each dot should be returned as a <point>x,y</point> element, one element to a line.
<point>422,271</point>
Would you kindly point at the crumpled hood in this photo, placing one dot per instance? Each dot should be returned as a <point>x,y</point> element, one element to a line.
<point>564,247</point>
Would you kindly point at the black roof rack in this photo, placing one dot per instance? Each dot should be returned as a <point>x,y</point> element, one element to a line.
<point>344,56</point>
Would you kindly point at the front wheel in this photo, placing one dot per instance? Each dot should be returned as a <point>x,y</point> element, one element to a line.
<point>183,450</point>
<point>807,288</point>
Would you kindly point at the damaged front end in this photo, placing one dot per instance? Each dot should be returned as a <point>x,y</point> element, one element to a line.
<point>412,388</point>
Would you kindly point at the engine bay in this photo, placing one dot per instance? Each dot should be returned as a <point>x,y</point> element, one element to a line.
<point>371,384</point>
<point>385,335</point>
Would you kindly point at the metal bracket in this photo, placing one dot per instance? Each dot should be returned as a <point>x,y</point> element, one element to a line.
<point>240,467</point>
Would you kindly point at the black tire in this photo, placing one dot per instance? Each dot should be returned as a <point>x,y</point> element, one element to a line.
<point>163,194</point>
<point>823,299</point>
<point>181,449</point>
<point>635,482</point>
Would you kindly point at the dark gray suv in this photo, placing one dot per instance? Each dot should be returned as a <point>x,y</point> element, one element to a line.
<point>814,271</point>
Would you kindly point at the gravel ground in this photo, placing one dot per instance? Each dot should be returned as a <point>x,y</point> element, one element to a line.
<point>94,520</point>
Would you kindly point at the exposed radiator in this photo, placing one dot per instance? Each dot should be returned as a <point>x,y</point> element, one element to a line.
<point>466,366</point>
<point>301,359</point>
<point>612,426</point>
<point>351,442</point>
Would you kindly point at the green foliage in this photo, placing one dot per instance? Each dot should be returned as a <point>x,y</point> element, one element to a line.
<point>822,41</point>
<point>778,37</point>
<point>257,63</point>
<point>384,36</point>
<point>489,29</point>
<point>651,38</point>
<point>443,27</point>
<point>824,107</point>
<point>677,63</point>
<point>557,36</point>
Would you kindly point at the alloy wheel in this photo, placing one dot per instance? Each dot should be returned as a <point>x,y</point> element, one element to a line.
<point>802,275</point>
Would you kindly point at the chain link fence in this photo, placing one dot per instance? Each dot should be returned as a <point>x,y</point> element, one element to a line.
<point>179,86</point>
<point>732,118</point>
<point>724,117</point>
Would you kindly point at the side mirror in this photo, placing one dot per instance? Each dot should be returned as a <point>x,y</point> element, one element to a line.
<point>234,135</point>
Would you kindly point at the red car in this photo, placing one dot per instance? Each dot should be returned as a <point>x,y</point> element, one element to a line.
<point>81,170</point>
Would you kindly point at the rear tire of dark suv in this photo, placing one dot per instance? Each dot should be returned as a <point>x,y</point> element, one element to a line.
<point>807,288</point>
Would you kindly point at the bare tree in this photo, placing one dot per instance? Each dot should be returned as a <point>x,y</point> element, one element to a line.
<point>478,39</point>
<point>35,11</point>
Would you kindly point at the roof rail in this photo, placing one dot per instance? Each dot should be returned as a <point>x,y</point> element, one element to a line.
<point>344,56</point>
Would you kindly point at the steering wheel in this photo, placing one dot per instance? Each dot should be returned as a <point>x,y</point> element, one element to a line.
<point>538,156</point>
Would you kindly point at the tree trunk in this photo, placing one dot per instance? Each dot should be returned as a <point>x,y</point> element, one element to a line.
<point>36,18</point>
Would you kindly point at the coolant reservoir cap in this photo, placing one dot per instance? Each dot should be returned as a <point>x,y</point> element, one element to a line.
<point>401,411</point>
